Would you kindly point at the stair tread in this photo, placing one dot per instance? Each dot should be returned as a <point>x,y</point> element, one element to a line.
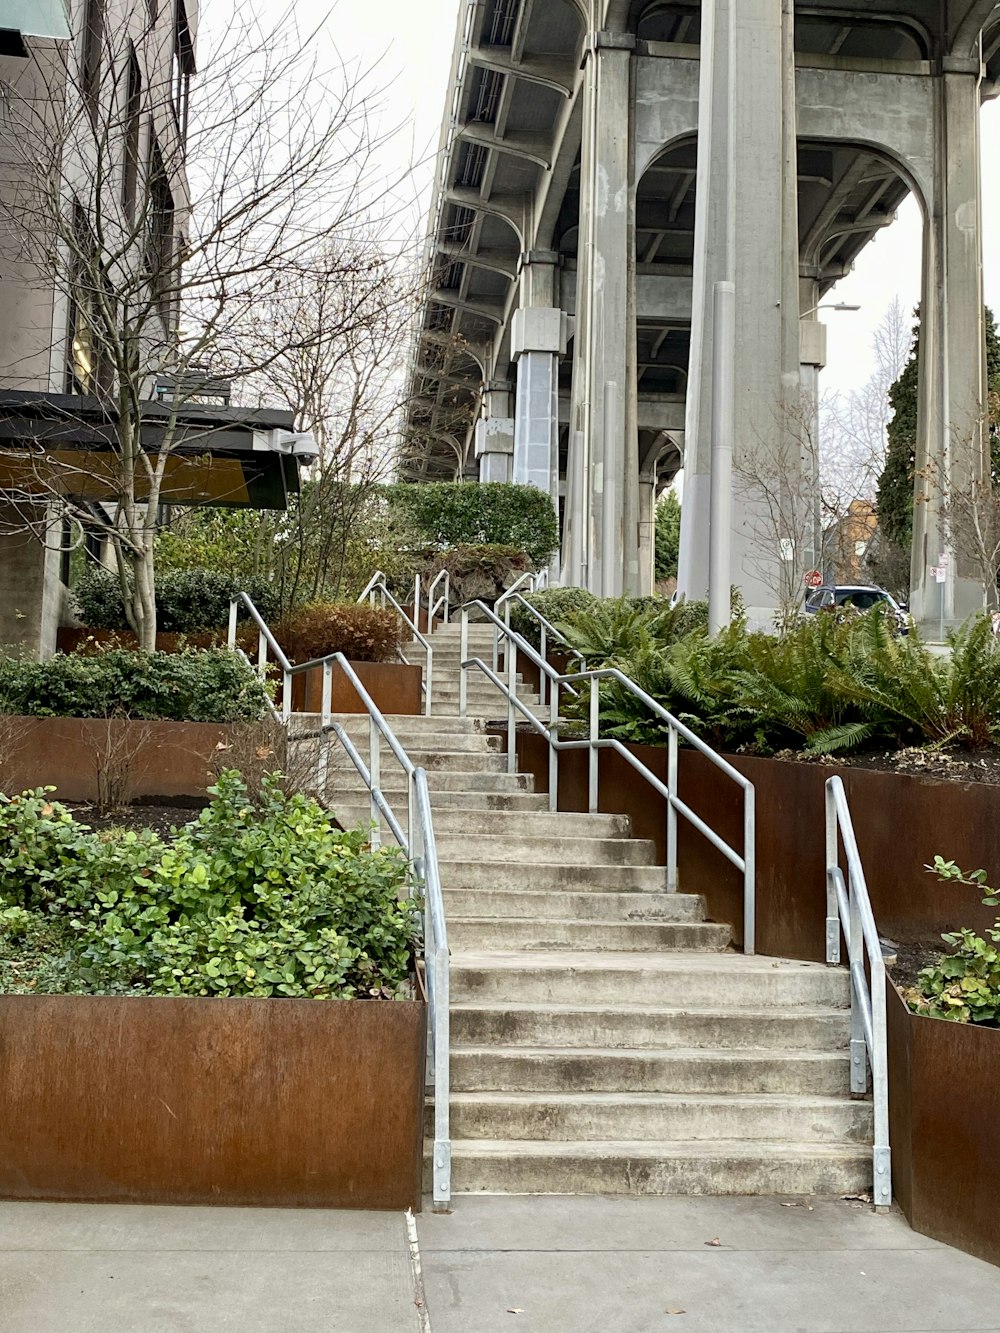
<point>664,1011</point>
<point>654,1148</point>
<point>807,1101</point>
<point>693,1054</point>
<point>620,960</point>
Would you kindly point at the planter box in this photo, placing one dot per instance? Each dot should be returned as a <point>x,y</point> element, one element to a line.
<point>394,686</point>
<point>943,1110</point>
<point>901,822</point>
<point>78,756</point>
<point>278,1103</point>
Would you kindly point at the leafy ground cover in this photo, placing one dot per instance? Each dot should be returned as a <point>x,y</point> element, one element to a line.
<point>269,899</point>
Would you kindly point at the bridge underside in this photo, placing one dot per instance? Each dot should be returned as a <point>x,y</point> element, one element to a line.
<point>597,184</point>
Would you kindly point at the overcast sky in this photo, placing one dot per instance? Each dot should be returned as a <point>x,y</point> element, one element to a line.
<point>414,39</point>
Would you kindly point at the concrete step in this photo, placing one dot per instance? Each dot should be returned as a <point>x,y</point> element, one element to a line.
<point>628,1026</point>
<point>604,1069</point>
<point>466,803</point>
<point>728,981</point>
<point>535,824</point>
<point>445,742</point>
<point>596,935</point>
<point>504,875</point>
<point>460,761</point>
<point>532,851</point>
<point>686,1168</point>
<point>637,1116</point>
<point>401,723</point>
<point>532,906</point>
<point>457,779</point>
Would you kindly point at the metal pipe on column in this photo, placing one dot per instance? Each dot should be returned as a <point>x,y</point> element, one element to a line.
<point>723,435</point>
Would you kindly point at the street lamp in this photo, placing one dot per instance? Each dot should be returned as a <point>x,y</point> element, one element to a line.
<point>840,306</point>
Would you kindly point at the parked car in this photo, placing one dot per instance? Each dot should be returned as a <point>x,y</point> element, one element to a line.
<point>860,597</point>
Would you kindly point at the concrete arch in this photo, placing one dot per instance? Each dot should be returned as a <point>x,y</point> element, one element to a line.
<point>966,39</point>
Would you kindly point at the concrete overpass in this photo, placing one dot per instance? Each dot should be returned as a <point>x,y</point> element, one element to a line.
<point>604,164</point>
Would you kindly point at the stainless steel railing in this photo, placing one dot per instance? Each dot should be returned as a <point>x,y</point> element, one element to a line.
<point>415,837</point>
<point>514,645</point>
<point>849,914</point>
<point>378,592</point>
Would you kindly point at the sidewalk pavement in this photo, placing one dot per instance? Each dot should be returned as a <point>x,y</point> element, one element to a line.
<point>521,1265</point>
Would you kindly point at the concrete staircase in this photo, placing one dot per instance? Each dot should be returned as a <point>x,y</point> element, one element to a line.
<point>605,1036</point>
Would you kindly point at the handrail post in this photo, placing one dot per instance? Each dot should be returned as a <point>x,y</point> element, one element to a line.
<point>832,859</point>
<point>510,649</point>
<point>286,696</point>
<point>594,758</point>
<point>553,747</point>
<point>749,870</point>
<point>882,1153</point>
<point>261,652</point>
<point>541,674</point>
<point>417,586</point>
<point>447,597</point>
<point>859,1048</point>
<point>375,770</point>
<point>429,700</point>
<point>326,706</point>
<point>672,781</point>
<point>463,653</point>
<point>234,609</point>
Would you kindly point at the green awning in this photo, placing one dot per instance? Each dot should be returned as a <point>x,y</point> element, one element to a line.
<point>35,18</point>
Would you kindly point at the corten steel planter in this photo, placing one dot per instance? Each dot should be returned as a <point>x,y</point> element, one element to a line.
<point>394,686</point>
<point>944,1104</point>
<point>901,823</point>
<point>249,1102</point>
<point>141,759</point>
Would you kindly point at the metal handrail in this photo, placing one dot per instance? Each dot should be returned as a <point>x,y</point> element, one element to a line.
<point>676,732</point>
<point>442,603</point>
<point>849,912</point>
<point>378,586</point>
<point>416,839</point>
<point>546,632</point>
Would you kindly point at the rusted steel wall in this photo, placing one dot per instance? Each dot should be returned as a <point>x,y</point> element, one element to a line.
<point>149,759</point>
<point>943,1081</point>
<point>394,686</point>
<point>901,823</point>
<point>278,1103</point>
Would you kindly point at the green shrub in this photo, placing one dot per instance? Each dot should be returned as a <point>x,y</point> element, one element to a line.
<point>559,606</point>
<point>187,600</point>
<point>266,901</point>
<point>493,514</point>
<point>362,633</point>
<point>210,686</point>
<point>964,985</point>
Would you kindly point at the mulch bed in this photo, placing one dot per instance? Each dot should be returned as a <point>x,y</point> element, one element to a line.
<point>160,818</point>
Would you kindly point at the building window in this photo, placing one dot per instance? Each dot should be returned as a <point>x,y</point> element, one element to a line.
<point>133,129</point>
<point>86,368</point>
<point>161,254</point>
<point>183,68</point>
<point>90,66</point>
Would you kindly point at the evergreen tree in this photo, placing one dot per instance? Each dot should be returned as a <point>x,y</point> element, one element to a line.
<point>668,536</point>
<point>895,488</point>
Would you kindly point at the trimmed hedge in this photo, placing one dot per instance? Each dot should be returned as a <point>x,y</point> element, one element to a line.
<point>362,633</point>
<point>212,686</point>
<point>492,514</point>
<point>188,601</point>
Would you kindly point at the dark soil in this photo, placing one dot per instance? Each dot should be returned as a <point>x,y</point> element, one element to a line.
<point>949,765</point>
<point>160,818</point>
<point>911,959</point>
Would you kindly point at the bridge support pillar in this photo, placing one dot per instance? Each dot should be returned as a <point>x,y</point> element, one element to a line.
<point>747,189</point>
<point>538,340</point>
<point>604,384</point>
<point>952,455</point>
<point>495,434</point>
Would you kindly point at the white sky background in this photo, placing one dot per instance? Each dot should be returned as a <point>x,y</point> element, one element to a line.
<point>411,41</point>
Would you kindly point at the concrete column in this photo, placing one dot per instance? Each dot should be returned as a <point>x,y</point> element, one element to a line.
<point>812,354</point>
<point>748,184</point>
<point>604,386</point>
<point>711,265</point>
<point>952,454</point>
<point>538,340</point>
<point>647,535</point>
<point>495,433</point>
<point>31,594</point>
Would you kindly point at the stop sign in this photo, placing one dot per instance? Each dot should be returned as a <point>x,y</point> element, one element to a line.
<point>814,579</point>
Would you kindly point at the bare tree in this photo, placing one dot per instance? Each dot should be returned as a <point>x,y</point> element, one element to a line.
<point>164,226</point>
